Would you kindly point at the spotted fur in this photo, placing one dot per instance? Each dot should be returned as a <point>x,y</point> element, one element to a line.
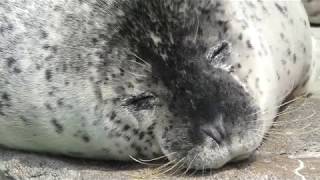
<point>105,79</point>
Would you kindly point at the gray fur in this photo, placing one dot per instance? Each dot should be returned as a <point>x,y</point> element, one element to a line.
<point>111,79</point>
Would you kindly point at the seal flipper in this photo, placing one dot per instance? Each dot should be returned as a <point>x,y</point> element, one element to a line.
<point>313,86</point>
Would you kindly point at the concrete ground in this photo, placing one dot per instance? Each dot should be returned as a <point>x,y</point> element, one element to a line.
<point>291,151</point>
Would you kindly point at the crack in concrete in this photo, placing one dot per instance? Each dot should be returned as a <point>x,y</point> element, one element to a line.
<point>301,166</point>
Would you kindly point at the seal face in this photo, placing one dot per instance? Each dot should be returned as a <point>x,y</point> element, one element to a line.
<point>198,81</point>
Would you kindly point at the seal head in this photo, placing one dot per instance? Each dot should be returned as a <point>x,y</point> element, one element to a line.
<point>210,116</point>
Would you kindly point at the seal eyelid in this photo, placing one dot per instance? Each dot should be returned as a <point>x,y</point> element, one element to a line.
<point>219,52</point>
<point>141,101</point>
<point>137,99</point>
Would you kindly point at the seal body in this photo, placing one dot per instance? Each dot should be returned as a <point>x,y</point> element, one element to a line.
<point>198,81</point>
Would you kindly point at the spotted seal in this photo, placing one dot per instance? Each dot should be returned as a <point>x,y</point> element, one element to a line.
<point>198,81</point>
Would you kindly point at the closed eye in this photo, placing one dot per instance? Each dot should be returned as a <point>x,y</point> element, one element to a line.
<point>142,101</point>
<point>219,52</point>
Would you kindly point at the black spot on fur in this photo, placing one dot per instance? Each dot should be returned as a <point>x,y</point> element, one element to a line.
<point>48,106</point>
<point>85,138</point>
<point>17,70</point>
<point>141,135</point>
<point>94,41</point>
<point>4,102</point>
<point>60,102</point>
<point>135,131</point>
<point>11,61</point>
<point>126,127</point>
<point>118,121</point>
<point>127,138</point>
<point>113,115</point>
<point>43,34</point>
<point>224,25</point>
<point>294,58</point>
<point>48,75</point>
<point>25,120</point>
<point>121,72</point>
<point>281,35</point>
<point>5,97</point>
<point>249,45</point>
<point>283,10</point>
<point>58,127</point>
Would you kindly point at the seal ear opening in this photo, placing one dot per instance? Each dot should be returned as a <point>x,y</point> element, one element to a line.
<point>313,86</point>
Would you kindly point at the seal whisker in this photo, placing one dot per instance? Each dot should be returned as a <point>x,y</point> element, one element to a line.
<point>179,168</point>
<point>138,57</point>
<point>157,158</point>
<point>157,171</point>
<point>281,105</point>
<point>279,123</point>
<point>165,165</point>
<point>267,137</point>
<point>288,111</point>
<point>144,163</point>
<point>143,65</point>
<point>172,167</point>
<point>136,75</point>
<point>203,170</point>
<point>154,172</point>
<point>100,6</point>
<point>194,172</point>
<point>197,29</point>
<point>190,164</point>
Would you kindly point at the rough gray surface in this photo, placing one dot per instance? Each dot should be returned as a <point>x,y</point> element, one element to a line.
<point>291,151</point>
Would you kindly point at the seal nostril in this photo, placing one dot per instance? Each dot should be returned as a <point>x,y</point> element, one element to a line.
<point>215,129</point>
<point>212,133</point>
<point>219,123</point>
